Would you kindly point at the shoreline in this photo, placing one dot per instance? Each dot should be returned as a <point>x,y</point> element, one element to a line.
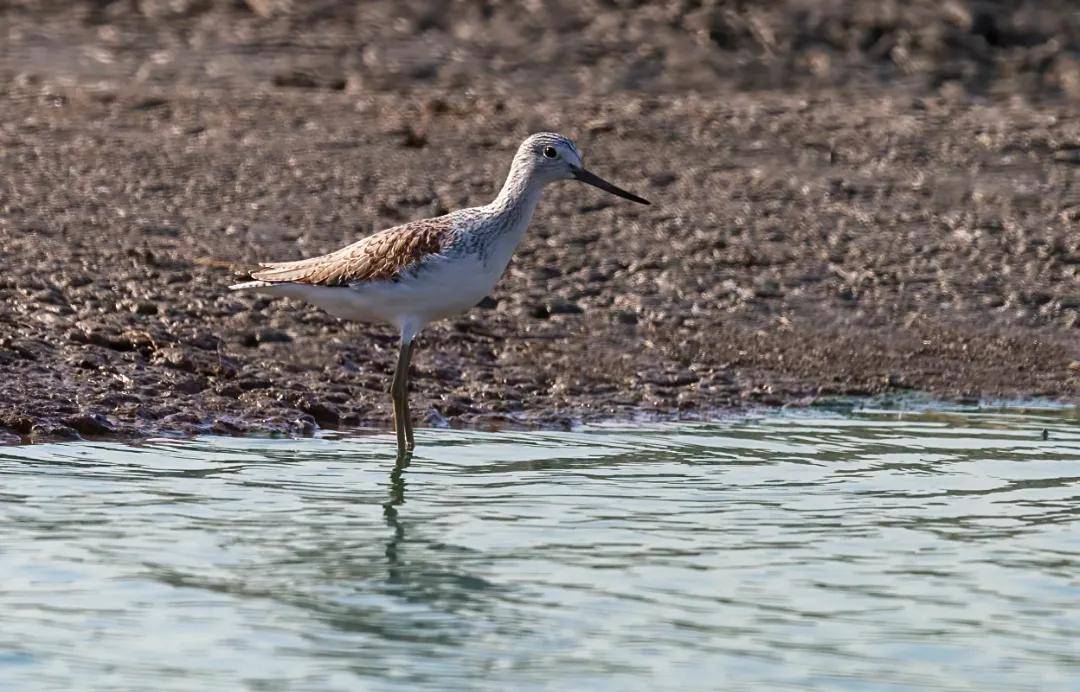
<point>901,234</point>
<point>913,403</point>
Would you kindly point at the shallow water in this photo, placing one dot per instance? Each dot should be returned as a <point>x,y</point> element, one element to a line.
<point>877,550</point>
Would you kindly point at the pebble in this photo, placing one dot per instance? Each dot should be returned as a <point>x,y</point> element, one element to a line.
<point>90,424</point>
<point>51,432</point>
<point>563,307</point>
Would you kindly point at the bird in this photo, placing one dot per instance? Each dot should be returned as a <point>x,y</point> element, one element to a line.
<point>411,275</point>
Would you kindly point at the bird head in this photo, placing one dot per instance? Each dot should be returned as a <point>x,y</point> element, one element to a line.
<point>549,157</point>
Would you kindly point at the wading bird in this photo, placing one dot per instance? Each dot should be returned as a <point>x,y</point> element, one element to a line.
<point>414,274</point>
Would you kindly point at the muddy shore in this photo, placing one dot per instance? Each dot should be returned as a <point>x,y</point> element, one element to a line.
<point>822,226</point>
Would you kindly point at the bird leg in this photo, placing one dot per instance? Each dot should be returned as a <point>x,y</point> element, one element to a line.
<point>410,444</point>
<point>399,393</point>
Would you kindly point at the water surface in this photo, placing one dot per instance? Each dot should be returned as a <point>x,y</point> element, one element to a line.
<point>872,551</point>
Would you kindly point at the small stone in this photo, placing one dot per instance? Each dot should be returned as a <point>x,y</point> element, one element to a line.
<point>47,296</point>
<point>1036,297</point>
<point>105,339</point>
<point>149,104</point>
<point>223,366</point>
<point>413,138</point>
<point>296,80</point>
<point>52,432</point>
<point>16,422</point>
<point>226,425</point>
<point>662,179</point>
<point>177,359</point>
<point>678,379</point>
<point>204,341</point>
<point>544,272</point>
<point>324,414</point>
<point>768,289</point>
<point>435,419</point>
<point>563,307</point>
<point>456,406</point>
<point>305,425</point>
<point>138,340</point>
<point>91,424</point>
<point>190,385</point>
<point>264,336</point>
<point>182,419</point>
<point>269,8</point>
<point>23,348</point>
<point>272,336</point>
<point>436,106</point>
<point>78,281</point>
<point>228,390</point>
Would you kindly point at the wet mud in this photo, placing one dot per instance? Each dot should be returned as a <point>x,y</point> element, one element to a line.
<point>848,200</point>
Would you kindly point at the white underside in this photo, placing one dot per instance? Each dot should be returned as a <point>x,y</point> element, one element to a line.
<point>442,288</point>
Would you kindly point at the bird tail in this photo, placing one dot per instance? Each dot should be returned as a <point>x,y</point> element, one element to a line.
<point>250,284</point>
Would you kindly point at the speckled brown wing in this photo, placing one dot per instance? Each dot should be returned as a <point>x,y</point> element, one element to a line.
<point>379,257</point>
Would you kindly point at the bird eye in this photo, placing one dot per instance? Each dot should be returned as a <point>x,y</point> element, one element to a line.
<point>550,152</point>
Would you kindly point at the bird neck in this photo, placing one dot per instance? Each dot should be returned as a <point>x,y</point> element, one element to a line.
<point>518,197</point>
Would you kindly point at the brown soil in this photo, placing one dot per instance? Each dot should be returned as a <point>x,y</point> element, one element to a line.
<point>849,198</point>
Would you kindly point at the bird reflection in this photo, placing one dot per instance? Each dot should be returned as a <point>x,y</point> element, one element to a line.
<point>390,512</point>
<point>429,574</point>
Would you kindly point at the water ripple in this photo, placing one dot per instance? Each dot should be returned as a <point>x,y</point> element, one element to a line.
<point>880,550</point>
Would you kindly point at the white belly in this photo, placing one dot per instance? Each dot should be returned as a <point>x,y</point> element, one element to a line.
<point>442,288</point>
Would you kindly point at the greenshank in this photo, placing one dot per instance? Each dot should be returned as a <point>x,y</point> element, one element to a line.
<point>411,275</point>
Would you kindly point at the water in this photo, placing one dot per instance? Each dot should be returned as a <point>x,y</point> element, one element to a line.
<point>874,551</point>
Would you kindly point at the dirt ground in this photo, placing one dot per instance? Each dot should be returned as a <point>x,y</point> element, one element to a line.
<point>850,198</point>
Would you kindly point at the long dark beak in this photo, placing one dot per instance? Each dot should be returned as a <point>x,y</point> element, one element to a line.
<point>596,181</point>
